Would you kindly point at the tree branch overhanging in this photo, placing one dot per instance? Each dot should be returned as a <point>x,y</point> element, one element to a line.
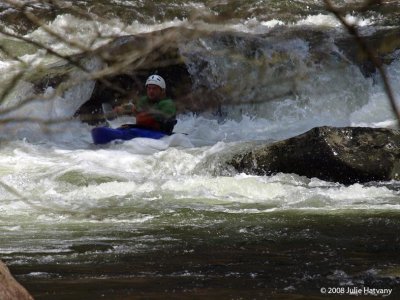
<point>371,54</point>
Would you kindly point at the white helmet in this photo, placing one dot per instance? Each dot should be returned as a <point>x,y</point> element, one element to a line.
<point>156,80</point>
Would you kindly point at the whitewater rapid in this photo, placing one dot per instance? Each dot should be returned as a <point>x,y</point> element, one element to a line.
<point>57,164</point>
<point>167,218</point>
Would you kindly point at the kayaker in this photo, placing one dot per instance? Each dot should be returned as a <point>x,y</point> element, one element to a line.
<point>154,111</point>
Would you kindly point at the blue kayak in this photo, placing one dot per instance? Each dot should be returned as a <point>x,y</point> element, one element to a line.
<point>104,135</point>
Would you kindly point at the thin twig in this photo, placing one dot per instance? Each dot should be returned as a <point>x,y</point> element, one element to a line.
<point>371,54</point>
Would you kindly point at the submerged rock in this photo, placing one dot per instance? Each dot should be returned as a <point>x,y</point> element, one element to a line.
<point>346,155</point>
<point>10,289</point>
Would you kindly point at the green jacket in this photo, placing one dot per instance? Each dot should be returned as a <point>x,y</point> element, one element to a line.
<point>157,116</point>
<point>164,109</point>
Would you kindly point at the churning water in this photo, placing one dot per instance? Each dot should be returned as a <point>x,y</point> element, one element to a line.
<point>165,219</point>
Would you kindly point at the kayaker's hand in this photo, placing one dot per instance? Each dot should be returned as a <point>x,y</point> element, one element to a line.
<point>129,108</point>
<point>124,109</point>
<point>118,110</point>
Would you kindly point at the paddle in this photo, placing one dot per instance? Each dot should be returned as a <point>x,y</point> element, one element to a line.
<point>108,112</point>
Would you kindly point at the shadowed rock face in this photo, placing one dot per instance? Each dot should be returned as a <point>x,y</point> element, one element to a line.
<point>346,155</point>
<point>10,289</point>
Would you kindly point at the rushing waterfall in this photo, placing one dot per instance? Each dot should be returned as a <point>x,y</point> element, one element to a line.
<point>150,219</point>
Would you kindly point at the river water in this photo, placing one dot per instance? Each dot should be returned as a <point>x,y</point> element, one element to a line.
<point>166,219</point>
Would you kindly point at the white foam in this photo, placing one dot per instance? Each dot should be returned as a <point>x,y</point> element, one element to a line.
<point>80,34</point>
<point>54,181</point>
<point>378,112</point>
<point>331,21</point>
<point>253,26</point>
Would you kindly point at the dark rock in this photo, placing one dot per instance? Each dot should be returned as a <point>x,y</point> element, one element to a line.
<point>10,289</point>
<point>346,155</point>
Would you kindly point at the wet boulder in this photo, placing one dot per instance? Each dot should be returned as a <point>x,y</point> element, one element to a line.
<point>10,289</point>
<point>346,155</point>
